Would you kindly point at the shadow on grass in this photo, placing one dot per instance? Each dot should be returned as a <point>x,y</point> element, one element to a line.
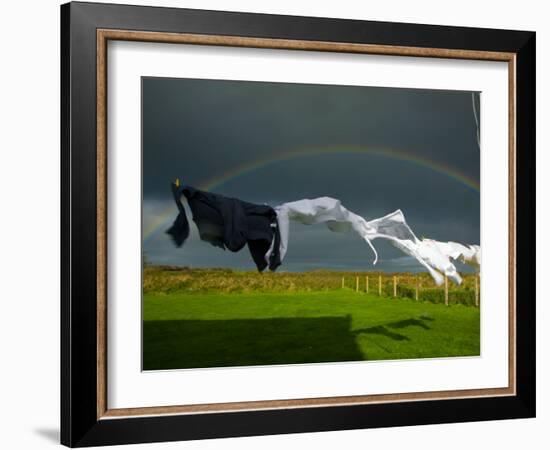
<point>180,344</point>
<point>385,330</point>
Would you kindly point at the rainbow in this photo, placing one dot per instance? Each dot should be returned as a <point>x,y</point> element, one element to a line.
<point>215,182</point>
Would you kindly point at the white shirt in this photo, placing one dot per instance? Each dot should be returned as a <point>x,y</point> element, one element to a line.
<point>433,255</point>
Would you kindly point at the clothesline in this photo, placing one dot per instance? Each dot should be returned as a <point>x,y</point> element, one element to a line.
<point>231,224</point>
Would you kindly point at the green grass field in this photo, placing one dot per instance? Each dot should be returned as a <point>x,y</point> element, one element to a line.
<point>184,328</point>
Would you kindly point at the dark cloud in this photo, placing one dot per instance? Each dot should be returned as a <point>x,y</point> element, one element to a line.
<point>199,130</point>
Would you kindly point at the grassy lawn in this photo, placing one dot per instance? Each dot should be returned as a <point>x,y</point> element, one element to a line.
<point>185,330</point>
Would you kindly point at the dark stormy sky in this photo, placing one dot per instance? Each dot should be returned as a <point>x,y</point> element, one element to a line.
<point>201,130</point>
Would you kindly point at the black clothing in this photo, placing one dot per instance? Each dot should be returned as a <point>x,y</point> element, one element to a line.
<point>228,223</point>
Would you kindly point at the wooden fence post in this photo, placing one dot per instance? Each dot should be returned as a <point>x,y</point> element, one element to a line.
<point>367,284</point>
<point>416,293</point>
<point>380,285</point>
<point>446,291</point>
<point>356,284</point>
<point>343,282</point>
<point>394,286</point>
<point>477,290</point>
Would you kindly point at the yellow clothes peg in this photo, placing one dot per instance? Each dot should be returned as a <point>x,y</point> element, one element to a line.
<point>177,182</point>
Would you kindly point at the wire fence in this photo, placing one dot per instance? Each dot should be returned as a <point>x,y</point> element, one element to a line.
<point>421,287</point>
<point>417,287</point>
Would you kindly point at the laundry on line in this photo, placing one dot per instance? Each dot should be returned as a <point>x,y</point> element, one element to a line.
<point>232,224</point>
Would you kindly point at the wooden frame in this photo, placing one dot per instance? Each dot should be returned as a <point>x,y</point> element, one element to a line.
<point>86,418</point>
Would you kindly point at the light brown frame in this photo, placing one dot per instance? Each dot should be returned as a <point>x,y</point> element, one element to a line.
<point>103,36</point>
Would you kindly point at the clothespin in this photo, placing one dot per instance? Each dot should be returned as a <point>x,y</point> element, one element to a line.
<point>177,182</point>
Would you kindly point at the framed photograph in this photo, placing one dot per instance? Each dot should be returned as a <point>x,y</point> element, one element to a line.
<point>275,224</point>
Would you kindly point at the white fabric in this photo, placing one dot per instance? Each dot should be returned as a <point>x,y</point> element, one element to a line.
<point>320,210</point>
<point>394,228</point>
<point>433,255</point>
<point>467,254</point>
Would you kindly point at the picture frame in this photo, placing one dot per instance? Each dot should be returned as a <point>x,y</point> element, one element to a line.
<point>86,418</point>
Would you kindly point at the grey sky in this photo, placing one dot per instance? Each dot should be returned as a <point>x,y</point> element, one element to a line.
<point>205,130</point>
